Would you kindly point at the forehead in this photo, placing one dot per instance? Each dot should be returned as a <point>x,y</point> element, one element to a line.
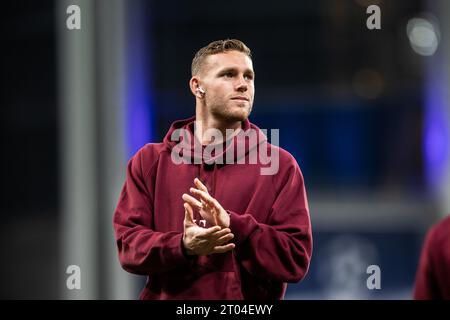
<point>229,59</point>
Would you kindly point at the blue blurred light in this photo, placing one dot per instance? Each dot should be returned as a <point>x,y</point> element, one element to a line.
<point>139,95</point>
<point>436,129</point>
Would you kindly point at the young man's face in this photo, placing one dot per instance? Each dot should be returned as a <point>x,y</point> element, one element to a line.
<point>228,80</point>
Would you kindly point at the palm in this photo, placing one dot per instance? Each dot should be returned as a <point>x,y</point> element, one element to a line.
<point>209,213</point>
<point>208,207</point>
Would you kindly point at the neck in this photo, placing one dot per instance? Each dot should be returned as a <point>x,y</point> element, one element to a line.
<point>205,121</point>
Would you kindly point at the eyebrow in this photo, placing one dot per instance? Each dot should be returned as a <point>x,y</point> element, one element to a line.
<point>232,69</point>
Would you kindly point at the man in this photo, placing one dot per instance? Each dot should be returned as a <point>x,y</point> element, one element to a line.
<point>198,214</point>
<point>433,278</point>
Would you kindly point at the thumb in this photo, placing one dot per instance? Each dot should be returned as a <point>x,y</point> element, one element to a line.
<point>188,213</point>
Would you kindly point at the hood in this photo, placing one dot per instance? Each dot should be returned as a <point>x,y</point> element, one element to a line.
<point>182,142</point>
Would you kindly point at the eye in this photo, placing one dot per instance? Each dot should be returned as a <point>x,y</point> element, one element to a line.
<point>248,77</point>
<point>228,75</point>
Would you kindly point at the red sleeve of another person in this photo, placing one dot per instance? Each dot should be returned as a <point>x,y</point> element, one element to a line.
<point>433,273</point>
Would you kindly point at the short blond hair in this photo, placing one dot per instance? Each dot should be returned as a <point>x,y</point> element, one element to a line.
<point>216,47</point>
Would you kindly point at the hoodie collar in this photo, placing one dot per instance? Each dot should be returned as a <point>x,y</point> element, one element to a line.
<point>181,134</point>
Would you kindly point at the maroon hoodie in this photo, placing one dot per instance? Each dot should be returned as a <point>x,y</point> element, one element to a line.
<point>433,273</point>
<point>269,217</point>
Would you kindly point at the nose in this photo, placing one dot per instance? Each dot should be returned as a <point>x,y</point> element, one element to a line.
<point>242,85</point>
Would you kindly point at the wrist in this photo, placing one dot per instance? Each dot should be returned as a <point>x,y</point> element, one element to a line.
<point>184,248</point>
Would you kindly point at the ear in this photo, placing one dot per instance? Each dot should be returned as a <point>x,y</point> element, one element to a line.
<point>194,84</point>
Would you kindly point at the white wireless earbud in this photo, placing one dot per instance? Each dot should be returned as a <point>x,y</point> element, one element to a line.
<point>201,90</point>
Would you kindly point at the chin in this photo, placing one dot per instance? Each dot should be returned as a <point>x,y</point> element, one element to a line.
<point>239,115</point>
<point>232,113</point>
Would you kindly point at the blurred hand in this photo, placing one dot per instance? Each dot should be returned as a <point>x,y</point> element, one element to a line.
<point>202,241</point>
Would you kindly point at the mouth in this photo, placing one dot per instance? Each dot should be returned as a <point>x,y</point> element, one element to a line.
<point>240,98</point>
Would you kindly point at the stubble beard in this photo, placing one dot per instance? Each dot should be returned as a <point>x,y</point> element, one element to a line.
<point>223,112</point>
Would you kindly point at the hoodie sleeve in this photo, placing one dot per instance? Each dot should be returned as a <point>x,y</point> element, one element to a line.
<point>280,249</point>
<point>141,249</point>
<point>432,277</point>
<point>426,286</point>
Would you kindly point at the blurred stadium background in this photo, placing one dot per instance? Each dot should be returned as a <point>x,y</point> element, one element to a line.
<point>365,112</point>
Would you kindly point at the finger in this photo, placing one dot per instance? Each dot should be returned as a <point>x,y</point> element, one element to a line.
<point>223,249</point>
<point>205,196</point>
<point>221,233</point>
<point>188,213</point>
<point>225,239</point>
<point>200,185</point>
<point>192,201</point>
<point>210,231</point>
